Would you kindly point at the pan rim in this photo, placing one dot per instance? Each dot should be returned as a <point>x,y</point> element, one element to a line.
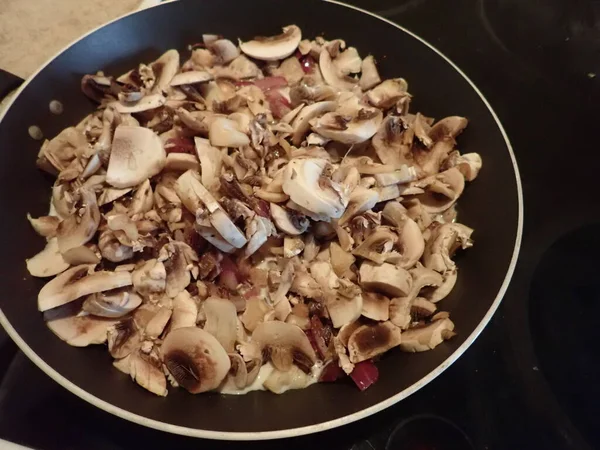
<point>309,429</point>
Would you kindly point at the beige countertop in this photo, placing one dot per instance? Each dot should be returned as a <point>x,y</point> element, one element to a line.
<point>31,31</point>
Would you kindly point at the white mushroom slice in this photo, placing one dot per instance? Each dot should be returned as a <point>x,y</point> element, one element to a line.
<point>469,164</point>
<point>444,288</point>
<point>181,162</point>
<point>146,103</point>
<point>122,222</point>
<point>442,190</point>
<point>288,221</point>
<point>213,237</point>
<point>422,308</point>
<point>291,70</point>
<point>332,75</point>
<point>150,278</point>
<point>378,246</point>
<point>221,321</point>
<point>48,262</point>
<point>76,282</point>
<point>273,48</point>
<point>225,50</point>
<point>304,183</point>
<point>143,199</point>
<point>258,230</point>
<point>137,154</point>
<point>348,61</point>
<point>224,133</point>
<point>341,260</point>
<point>388,93</point>
<point>386,278</point>
<point>109,195</point>
<point>147,373</point>
<point>230,232</point>
<point>369,77</point>
<point>157,324</point>
<point>185,311</point>
<point>292,246</point>
<point>81,331</point>
<point>372,340</point>
<point>375,306</point>
<point>195,359</point>
<point>77,229</point>
<point>191,77</point>
<point>301,124</point>
<point>406,174</point>
<point>238,69</point>
<point>165,69</point>
<point>45,226</point>
<point>177,257</point>
<point>361,200</point>
<point>111,304</point>
<point>210,162</point>
<point>358,130</point>
<point>256,310</point>
<point>449,127</point>
<point>427,337</point>
<point>285,344</point>
<point>442,244</point>
<point>343,310</point>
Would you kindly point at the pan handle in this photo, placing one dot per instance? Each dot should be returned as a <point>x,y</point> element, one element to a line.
<point>8,83</point>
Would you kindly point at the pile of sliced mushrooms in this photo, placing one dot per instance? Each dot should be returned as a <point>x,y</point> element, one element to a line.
<point>254,217</point>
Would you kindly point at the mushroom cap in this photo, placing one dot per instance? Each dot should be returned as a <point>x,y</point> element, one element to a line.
<point>302,182</point>
<point>77,282</point>
<point>385,278</point>
<point>221,321</point>
<point>274,47</point>
<point>48,262</point>
<point>195,358</point>
<point>137,154</point>
<point>427,337</point>
<point>368,341</point>
<point>285,344</point>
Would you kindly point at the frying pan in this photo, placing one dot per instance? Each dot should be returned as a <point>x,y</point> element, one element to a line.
<point>492,205</point>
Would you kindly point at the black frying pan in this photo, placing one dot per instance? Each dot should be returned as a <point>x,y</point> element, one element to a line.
<point>492,205</point>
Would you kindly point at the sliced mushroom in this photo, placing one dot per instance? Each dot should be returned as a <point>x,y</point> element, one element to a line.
<point>386,278</point>
<point>123,337</point>
<point>157,324</point>
<point>279,381</point>
<point>45,226</point>
<point>359,128</point>
<point>372,340</point>
<point>348,61</point>
<point>422,308</point>
<point>307,187</point>
<point>341,260</point>
<point>426,337</point>
<point>442,190</point>
<point>78,282</point>
<point>81,331</point>
<point>361,200</point>
<point>386,94</point>
<point>376,306</point>
<point>342,309</point>
<point>378,245</point>
<point>185,311</point>
<point>195,359</point>
<point>301,124</point>
<point>180,162</point>
<point>285,344</point>
<point>444,288</point>
<point>221,321</point>
<point>191,77</point>
<point>137,154</point>
<point>442,244</point>
<point>48,262</point>
<point>112,304</point>
<point>369,77</point>
<point>210,161</point>
<point>406,174</point>
<point>148,373</point>
<point>332,75</point>
<point>449,127</point>
<point>256,310</point>
<point>77,229</point>
<point>224,133</point>
<point>274,47</point>
<point>288,221</point>
<point>177,257</point>
<point>225,50</point>
<point>146,103</point>
<point>150,278</point>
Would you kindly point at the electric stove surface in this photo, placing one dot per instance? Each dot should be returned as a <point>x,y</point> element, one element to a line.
<point>529,381</point>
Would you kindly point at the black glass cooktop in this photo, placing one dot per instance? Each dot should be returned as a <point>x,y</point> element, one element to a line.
<point>530,380</point>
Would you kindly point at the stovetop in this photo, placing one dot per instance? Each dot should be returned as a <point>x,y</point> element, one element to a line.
<point>529,381</point>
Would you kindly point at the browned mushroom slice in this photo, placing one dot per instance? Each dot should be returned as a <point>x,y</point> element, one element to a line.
<point>285,344</point>
<point>288,221</point>
<point>442,190</point>
<point>195,359</point>
<point>426,337</point>
<point>422,308</point>
<point>45,226</point>
<point>378,245</point>
<point>369,77</point>
<point>77,229</point>
<point>301,124</point>
<point>372,340</point>
<point>78,282</point>
<point>449,127</point>
<point>386,94</point>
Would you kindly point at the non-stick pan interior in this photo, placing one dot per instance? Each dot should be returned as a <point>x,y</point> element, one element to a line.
<point>489,205</point>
